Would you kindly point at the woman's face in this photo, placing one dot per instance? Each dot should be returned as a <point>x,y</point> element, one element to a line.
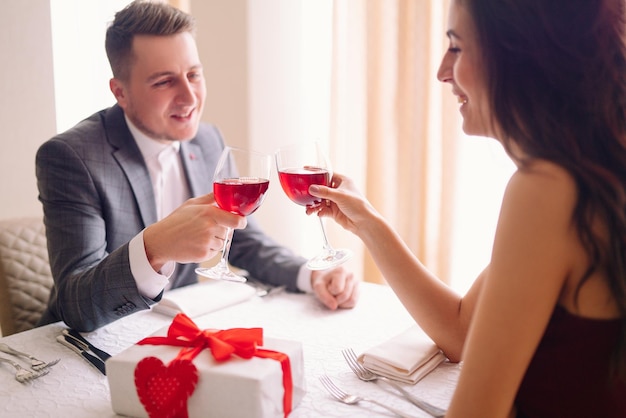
<point>461,67</point>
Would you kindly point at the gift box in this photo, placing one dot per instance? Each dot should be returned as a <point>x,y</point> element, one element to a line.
<point>244,381</point>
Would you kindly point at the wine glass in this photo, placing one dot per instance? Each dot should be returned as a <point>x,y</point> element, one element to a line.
<point>299,166</point>
<point>240,183</point>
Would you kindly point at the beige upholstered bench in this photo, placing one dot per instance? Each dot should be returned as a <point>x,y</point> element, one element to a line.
<point>25,277</point>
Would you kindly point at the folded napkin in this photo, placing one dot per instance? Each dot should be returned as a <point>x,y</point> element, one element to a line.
<point>407,357</point>
<point>204,297</point>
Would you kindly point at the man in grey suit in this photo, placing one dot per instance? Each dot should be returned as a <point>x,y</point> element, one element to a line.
<point>115,243</point>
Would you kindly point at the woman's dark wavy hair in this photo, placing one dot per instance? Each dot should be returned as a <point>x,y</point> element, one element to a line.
<point>556,76</point>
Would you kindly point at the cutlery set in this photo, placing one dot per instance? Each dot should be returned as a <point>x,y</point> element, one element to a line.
<point>37,369</point>
<point>69,338</point>
<point>368,376</point>
<point>349,399</point>
<point>77,343</point>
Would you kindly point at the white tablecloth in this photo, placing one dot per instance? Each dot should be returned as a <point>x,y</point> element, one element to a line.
<point>74,388</point>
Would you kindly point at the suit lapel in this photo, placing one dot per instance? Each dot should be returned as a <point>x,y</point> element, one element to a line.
<point>129,158</point>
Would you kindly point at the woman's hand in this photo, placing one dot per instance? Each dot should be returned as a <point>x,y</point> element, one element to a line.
<point>342,202</point>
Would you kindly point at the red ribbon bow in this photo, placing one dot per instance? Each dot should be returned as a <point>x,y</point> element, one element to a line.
<point>243,342</point>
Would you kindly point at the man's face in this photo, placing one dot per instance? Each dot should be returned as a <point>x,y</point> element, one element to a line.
<point>164,95</point>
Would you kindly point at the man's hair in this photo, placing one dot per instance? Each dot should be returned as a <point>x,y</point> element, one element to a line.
<point>141,17</point>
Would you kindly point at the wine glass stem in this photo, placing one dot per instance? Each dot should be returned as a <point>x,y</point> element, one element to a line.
<point>327,246</point>
<point>223,264</point>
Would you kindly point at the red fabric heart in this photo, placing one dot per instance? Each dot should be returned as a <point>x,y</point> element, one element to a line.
<point>164,390</point>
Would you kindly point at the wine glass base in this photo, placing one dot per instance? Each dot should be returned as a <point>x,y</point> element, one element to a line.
<point>217,273</point>
<point>329,259</point>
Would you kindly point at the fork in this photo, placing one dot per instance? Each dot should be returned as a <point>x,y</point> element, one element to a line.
<point>35,363</point>
<point>349,399</point>
<point>369,376</point>
<point>23,375</point>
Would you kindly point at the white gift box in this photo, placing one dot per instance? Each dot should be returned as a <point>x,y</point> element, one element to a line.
<point>246,388</point>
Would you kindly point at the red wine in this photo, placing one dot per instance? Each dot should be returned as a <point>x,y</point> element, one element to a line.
<point>240,195</point>
<point>296,181</point>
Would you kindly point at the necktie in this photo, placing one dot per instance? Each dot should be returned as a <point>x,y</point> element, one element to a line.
<point>171,190</point>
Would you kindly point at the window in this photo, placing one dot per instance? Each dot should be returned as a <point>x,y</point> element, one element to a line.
<point>483,174</point>
<point>81,68</point>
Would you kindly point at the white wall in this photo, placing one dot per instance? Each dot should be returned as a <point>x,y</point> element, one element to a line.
<point>81,67</point>
<point>27,115</point>
<point>34,104</point>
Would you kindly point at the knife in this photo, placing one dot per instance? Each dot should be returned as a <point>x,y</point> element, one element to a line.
<point>104,356</point>
<point>76,346</point>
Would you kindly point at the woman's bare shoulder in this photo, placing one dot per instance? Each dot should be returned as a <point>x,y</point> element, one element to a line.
<point>543,181</point>
<point>537,208</point>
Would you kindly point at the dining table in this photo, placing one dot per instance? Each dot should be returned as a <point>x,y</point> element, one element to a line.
<point>73,388</point>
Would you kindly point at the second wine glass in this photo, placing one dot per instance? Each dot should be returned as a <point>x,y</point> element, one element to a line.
<point>300,166</point>
<point>240,183</point>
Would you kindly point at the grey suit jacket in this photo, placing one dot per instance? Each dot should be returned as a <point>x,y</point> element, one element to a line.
<point>97,195</point>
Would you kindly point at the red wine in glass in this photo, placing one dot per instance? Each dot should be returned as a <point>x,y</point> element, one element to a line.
<point>299,166</point>
<point>296,181</point>
<point>240,182</point>
<point>242,195</point>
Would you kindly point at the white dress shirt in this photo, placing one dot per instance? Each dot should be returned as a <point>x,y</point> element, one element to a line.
<point>170,191</point>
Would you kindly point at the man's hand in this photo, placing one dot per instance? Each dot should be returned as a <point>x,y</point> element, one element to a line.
<point>192,233</point>
<point>336,288</point>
